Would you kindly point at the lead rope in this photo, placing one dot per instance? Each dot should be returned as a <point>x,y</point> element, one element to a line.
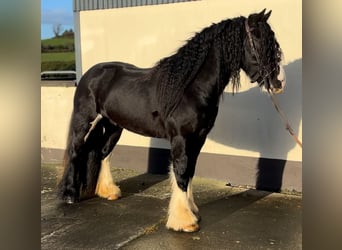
<point>284,119</point>
<point>273,98</point>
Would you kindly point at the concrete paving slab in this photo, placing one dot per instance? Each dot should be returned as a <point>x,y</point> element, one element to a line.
<point>232,218</point>
<point>245,220</point>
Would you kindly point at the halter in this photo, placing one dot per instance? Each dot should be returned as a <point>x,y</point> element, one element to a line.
<point>254,51</point>
<point>250,39</point>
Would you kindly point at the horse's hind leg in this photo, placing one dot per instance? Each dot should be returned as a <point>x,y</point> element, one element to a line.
<point>100,141</point>
<point>75,157</point>
<point>105,187</point>
<point>94,141</point>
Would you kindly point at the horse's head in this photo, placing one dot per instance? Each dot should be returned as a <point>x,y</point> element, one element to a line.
<point>262,57</point>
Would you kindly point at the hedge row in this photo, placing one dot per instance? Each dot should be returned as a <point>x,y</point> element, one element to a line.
<point>66,65</point>
<point>57,48</point>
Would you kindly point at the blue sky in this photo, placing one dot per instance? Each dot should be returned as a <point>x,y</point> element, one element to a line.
<point>55,12</point>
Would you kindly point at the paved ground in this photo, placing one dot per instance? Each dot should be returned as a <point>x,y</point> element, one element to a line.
<point>232,218</point>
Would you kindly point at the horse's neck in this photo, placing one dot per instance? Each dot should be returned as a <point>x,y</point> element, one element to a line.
<point>212,77</point>
<point>222,71</point>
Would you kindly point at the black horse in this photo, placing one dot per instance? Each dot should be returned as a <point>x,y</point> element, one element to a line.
<point>177,100</point>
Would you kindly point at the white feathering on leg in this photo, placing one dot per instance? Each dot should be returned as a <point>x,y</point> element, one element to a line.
<point>106,187</point>
<point>180,216</point>
<point>191,200</point>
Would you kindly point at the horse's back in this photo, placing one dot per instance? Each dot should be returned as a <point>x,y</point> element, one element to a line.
<point>102,77</point>
<point>105,69</point>
<point>123,93</point>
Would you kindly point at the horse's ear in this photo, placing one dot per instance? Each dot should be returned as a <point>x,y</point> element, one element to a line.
<point>255,18</point>
<point>262,13</point>
<point>267,15</point>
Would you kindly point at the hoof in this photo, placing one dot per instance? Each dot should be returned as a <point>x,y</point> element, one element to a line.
<point>191,229</point>
<point>181,226</point>
<point>69,199</point>
<point>109,192</point>
<point>187,229</point>
<point>113,197</point>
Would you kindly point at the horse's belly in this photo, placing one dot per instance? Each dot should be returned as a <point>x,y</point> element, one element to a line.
<point>139,122</point>
<point>131,106</point>
<point>146,132</point>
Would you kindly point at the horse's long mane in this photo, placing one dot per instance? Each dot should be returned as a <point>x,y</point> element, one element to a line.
<point>269,47</point>
<point>178,70</point>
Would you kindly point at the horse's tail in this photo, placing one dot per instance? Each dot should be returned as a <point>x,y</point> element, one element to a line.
<point>66,158</point>
<point>81,164</point>
<point>93,146</point>
<point>68,142</point>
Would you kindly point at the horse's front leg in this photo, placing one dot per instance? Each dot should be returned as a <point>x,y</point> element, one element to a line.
<point>180,215</point>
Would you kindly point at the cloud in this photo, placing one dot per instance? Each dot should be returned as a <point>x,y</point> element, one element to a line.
<point>57,16</point>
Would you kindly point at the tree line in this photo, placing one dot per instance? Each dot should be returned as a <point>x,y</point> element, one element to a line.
<point>57,48</point>
<point>57,29</point>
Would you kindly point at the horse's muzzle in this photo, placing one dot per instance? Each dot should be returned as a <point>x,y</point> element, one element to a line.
<point>277,90</point>
<point>281,78</point>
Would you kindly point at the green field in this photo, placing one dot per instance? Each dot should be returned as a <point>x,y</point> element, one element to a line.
<point>58,54</point>
<point>60,57</point>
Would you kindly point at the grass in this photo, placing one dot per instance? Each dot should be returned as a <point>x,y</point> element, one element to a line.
<point>55,59</point>
<point>60,57</point>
